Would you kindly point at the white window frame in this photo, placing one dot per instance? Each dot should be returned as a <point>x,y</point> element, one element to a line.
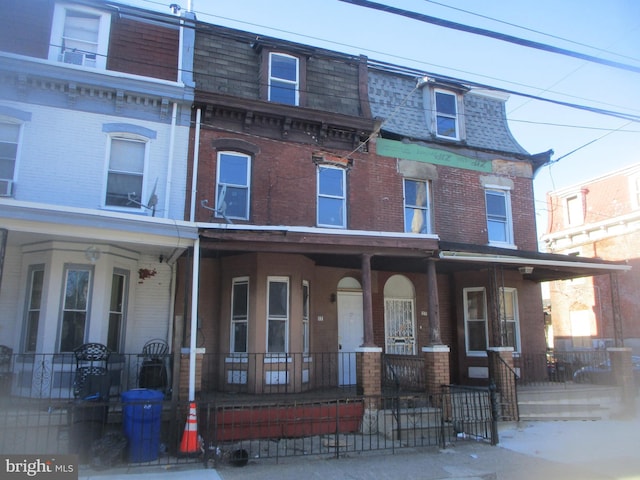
<point>573,212</point>
<point>118,312</point>
<point>33,308</point>
<point>20,126</point>
<point>634,190</point>
<point>507,221</point>
<point>468,320</point>
<point>278,318</point>
<point>294,83</point>
<point>437,113</point>
<point>221,193</point>
<point>140,197</point>
<point>57,32</point>
<point>64,308</point>
<point>410,209</point>
<point>513,318</point>
<point>325,196</point>
<point>238,319</point>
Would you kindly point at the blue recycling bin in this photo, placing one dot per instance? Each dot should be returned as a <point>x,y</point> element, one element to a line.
<point>141,420</point>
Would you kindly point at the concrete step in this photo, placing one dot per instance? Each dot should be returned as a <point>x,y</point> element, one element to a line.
<point>567,403</point>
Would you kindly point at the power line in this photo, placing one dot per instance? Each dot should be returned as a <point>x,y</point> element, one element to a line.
<point>489,33</point>
<point>531,30</point>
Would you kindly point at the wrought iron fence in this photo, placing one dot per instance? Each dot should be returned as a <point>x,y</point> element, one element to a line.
<point>557,366</point>
<point>107,434</point>
<point>403,373</point>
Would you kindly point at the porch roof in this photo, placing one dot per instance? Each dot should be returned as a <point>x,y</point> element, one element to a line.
<point>544,266</point>
<point>327,247</point>
<point>393,251</point>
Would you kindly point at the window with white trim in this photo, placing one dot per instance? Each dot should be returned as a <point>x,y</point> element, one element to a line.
<point>509,319</point>
<point>34,306</point>
<point>574,213</point>
<point>125,176</point>
<point>475,321</point>
<point>240,315</point>
<point>332,198</point>
<point>9,143</point>
<point>75,306</point>
<point>79,36</point>
<point>277,314</point>
<point>417,216</point>
<point>117,310</point>
<point>446,114</point>
<point>499,221</point>
<point>284,79</point>
<point>233,185</point>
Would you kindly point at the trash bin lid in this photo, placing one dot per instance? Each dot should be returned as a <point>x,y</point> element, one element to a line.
<point>141,395</point>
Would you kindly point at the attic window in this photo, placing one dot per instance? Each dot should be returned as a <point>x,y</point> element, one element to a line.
<point>444,108</point>
<point>284,79</point>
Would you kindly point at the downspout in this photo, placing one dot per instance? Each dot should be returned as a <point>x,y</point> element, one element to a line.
<point>194,319</point>
<point>196,159</point>
<point>195,278</point>
<point>172,142</point>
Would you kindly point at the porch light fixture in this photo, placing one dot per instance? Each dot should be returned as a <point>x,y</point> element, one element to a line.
<point>92,254</point>
<point>525,270</point>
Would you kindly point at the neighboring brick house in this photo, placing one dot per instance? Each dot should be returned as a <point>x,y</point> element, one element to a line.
<point>354,213</point>
<point>598,218</point>
<point>94,130</point>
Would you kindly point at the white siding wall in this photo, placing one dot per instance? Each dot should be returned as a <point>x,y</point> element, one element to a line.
<point>63,159</point>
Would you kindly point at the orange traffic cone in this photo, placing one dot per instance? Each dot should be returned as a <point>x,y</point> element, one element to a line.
<point>190,444</point>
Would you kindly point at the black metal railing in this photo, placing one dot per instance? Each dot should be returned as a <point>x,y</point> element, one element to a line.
<point>403,373</point>
<point>502,383</point>
<point>54,376</point>
<point>557,366</point>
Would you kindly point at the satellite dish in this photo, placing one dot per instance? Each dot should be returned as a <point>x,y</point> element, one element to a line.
<point>151,203</point>
<point>221,207</point>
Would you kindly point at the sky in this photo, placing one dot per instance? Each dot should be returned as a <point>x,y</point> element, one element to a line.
<point>607,29</point>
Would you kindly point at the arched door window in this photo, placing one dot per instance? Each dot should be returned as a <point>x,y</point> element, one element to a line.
<point>399,316</point>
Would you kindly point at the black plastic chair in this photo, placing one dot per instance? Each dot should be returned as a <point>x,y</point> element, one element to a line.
<point>6,355</point>
<point>153,372</point>
<point>91,385</point>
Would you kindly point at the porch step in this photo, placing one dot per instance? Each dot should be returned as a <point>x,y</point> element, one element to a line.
<point>567,403</point>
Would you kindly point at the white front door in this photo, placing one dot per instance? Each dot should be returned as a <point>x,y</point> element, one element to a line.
<point>350,335</point>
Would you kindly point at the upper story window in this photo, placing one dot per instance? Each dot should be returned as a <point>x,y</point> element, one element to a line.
<point>284,79</point>
<point>233,185</point>
<point>125,176</point>
<point>635,191</point>
<point>332,198</point>
<point>417,216</point>
<point>9,143</point>
<point>446,114</point>
<point>499,220</point>
<point>573,210</point>
<point>79,36</point>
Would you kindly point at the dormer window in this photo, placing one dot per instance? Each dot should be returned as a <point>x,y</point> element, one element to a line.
<point>444,108</point>
<point>284,79</point>
<point>446,112</point>
<point>79,36</point>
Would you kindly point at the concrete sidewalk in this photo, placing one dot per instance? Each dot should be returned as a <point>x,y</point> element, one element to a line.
<point>563,450</point>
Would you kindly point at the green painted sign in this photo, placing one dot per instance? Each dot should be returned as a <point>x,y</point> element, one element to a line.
<point>419,153</point>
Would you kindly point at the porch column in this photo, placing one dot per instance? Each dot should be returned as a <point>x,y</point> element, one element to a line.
<point>615,305</point>
<point>367,315</point>
<point>622,369</point>
<point>436,371</point>
<point>433,309</point>
<point>369,371</point>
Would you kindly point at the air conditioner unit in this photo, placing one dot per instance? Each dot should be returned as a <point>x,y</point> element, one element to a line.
<point>6,188</point>
<point>76,57</point>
